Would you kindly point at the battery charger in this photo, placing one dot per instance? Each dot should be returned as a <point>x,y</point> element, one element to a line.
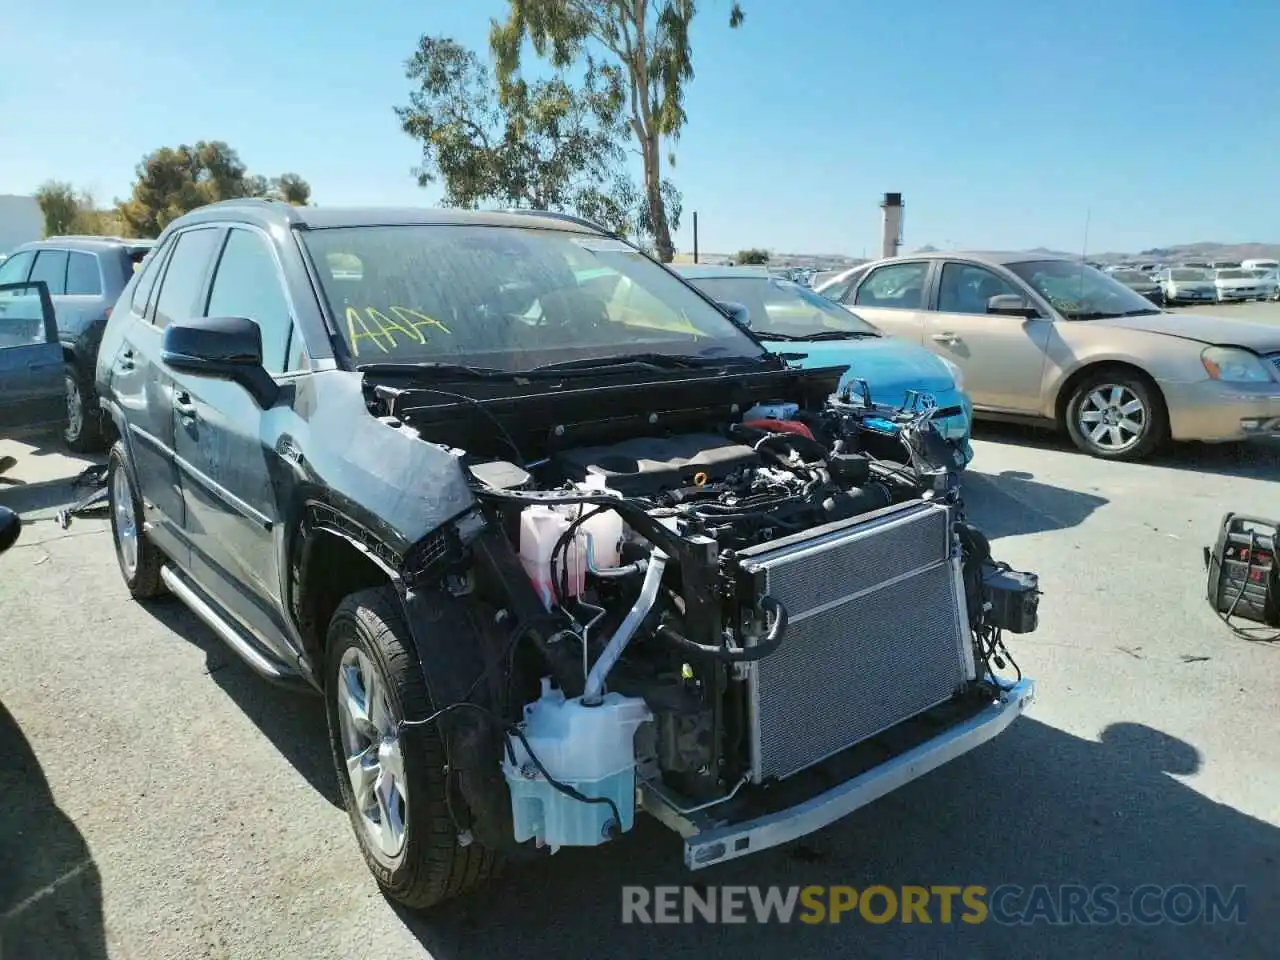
<point>1244,577</point>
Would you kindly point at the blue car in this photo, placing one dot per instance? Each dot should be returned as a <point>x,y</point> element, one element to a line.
<point>791,318</point>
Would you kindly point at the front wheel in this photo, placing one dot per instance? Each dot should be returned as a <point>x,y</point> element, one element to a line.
<point>392,778</point>
<point>1114,415</point>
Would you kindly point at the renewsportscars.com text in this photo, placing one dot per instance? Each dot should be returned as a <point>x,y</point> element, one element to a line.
<point>1062,905</point>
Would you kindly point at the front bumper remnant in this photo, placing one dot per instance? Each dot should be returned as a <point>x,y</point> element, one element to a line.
<point>718,844</point>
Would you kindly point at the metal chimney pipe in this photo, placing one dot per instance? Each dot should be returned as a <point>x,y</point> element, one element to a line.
<point>891,237</point>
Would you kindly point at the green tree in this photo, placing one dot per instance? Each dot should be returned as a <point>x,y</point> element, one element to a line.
<point>176,180</point>
<point>639,47</point>
<point>549,145</point>
<point>62,206</point>
<point>753,256</point>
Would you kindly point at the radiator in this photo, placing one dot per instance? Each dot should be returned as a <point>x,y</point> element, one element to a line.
<point>878,633</point>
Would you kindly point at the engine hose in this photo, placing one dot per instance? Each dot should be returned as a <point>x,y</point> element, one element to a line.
<point>758,651</point>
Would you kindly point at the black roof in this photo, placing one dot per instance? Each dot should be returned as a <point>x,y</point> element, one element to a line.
<point>260,210</point>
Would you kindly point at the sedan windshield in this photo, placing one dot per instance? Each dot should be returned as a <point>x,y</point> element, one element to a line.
<point>1131,276</point>
<point>1231,274</point>
<point>1081,292</point>
<point>509,298</point>
<point>1186,274</point>
<point>784,307</point>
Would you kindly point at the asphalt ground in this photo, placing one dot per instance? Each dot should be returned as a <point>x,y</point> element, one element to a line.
<point>157,800</point>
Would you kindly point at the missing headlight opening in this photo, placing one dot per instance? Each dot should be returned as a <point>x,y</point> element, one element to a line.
<point>717,605</point>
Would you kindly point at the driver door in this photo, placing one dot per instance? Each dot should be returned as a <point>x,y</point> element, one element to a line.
<point>1002,357</point>
<point>32,394</point>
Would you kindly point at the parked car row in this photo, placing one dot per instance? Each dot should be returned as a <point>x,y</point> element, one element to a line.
<point>1058,343</point>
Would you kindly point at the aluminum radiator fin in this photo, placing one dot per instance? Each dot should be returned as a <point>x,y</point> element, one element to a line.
<point>876,636</point>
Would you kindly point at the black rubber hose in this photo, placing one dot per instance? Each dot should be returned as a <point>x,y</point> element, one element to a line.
<point>771,642</point>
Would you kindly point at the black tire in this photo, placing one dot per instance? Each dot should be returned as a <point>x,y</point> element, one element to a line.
<point>1154,423</point>
<point>432,866</point>
<point>143,580</point>
<point>83,433</point>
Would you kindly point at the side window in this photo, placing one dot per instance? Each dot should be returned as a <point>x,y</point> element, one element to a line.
<point>966,288</point>
<point>184,278</point>
<point>51,267</point>
<point>898,285</point>
<point>14,270</point>
<point>837,291</point>
<point>84,279</point>
<point>151,268</point>
<point>247,284</point>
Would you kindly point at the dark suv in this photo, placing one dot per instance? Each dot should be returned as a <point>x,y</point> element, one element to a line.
<point>84,276</point>
<point>552,560</point>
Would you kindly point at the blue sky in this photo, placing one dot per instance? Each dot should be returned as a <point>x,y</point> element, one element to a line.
<point>1001,122</point>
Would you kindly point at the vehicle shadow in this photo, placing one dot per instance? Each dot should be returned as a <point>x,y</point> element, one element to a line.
<point>1250,460</point>
<point>293,721</point>
<point>50,888</point>
<point>1036,806</point>
<point>1011,503</point>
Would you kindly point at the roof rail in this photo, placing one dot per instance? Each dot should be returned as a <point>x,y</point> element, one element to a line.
<point>564,218</point>
<point>97,236</point>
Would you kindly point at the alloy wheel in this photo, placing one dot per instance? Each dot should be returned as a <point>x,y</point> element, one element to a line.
<point>373,754</point>
<point>75,409</point>
<point>126,525</point>
<point>1112,417</point>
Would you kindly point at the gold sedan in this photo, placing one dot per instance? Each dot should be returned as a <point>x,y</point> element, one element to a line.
<point>1057,343</point>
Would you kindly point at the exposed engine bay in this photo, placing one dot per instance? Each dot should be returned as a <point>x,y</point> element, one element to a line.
<point>711,614</point>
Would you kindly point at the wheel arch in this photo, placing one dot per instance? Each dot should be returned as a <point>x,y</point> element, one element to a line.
<point>1094,367</point>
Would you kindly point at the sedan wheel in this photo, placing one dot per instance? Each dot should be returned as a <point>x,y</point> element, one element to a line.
<point>1115,417</point>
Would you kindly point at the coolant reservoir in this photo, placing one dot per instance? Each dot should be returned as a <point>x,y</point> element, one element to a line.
<point>540,530</point>
<point>603,531</point>
<point>590,749</point>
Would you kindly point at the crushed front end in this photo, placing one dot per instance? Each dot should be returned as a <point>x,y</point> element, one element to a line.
<point>747,621</point>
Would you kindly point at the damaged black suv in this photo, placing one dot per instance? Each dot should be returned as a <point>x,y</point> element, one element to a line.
<point>557,540</point>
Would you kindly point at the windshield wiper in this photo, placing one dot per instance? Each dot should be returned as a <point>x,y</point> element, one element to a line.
<point>1101,315</point>
<point>815,337</point>
<point>433,368</point>
<point>651,361</point>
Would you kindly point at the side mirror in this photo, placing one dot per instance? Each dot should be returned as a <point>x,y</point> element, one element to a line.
<point>740,313</point>
<point>1011,305</point>
<point>223,348</point>
<point>10,527</point>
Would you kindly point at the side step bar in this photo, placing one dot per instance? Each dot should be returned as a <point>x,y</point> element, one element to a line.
<point>227,632</point>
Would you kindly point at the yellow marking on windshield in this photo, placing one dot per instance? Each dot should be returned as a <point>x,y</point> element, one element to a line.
<point>386,325</point>
<point>353,317</point>
<point>415,319</point>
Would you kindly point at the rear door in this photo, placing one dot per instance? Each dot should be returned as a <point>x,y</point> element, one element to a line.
<point>32,396</point>
<point>892,296</point>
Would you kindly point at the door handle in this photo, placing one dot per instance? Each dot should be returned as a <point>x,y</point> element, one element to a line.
<point>43,366</point>
<point>946,338</point>
<point>182,403</point>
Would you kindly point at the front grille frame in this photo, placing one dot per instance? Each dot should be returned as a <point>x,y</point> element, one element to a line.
<point>950,663</point>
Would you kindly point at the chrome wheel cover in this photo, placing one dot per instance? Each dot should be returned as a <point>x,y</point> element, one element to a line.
<point>371,749</point>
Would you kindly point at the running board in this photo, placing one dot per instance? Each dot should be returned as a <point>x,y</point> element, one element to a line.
<point>227,632</point>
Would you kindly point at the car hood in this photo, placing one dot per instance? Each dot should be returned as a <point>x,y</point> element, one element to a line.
<point>890,366</point>
<point>1262,337</point>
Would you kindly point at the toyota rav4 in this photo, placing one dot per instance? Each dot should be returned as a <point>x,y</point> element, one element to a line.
<point>549,565</point>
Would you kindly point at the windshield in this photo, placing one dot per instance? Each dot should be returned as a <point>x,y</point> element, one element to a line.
<point>1188,275</point>
<point>1079,291</point>
<point>1231,274</point>
<point>508,298</point>
<point>784,306</point>
<point>1131,276</point>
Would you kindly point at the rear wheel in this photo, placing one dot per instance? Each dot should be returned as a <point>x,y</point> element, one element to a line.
<point>1115,415</point>
<point>392,778</point>
<point>139,560</point>
<point>83,433</point>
